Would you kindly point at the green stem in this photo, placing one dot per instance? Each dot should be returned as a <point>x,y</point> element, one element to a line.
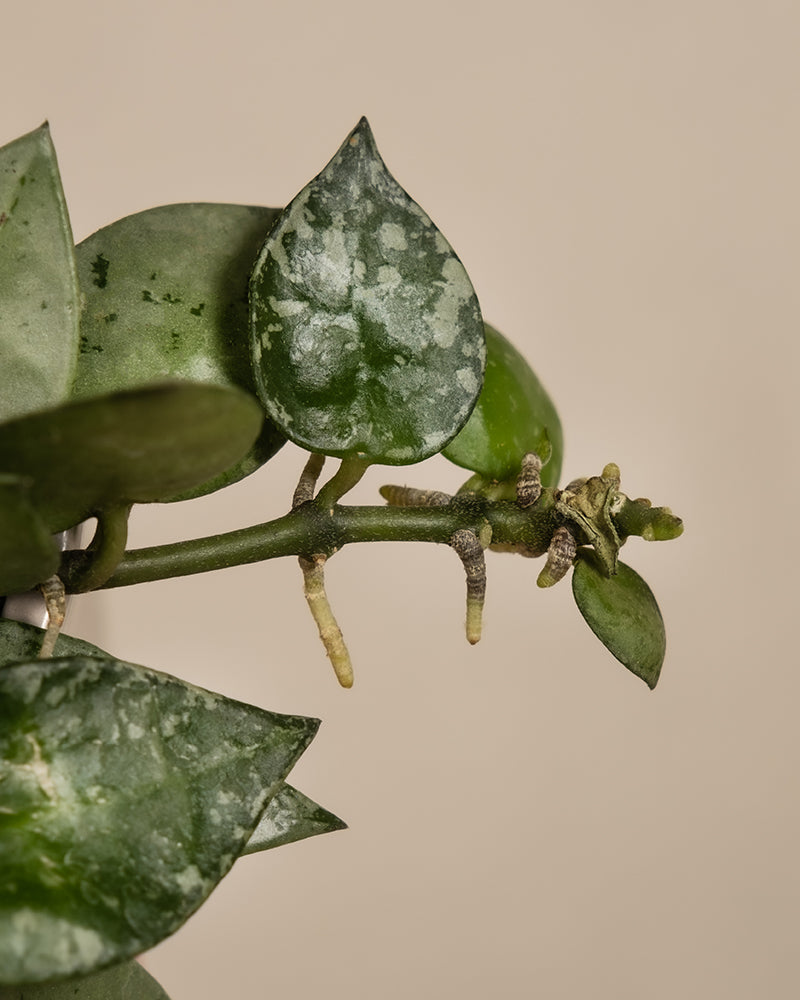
<point>90,568</point>
<point>317,528</point>
<point>312,529</point>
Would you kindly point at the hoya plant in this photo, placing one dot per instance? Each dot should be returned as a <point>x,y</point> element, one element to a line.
<point>167,356</point>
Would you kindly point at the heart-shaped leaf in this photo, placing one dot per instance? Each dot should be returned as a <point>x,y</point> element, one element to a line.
<point>513,416</point>
<point>367,337</point>
<point>28,553</point>
<point>128,447</point>
<point>622,612</point>
<point>291,816</point>
<point>165,296</point>
<point>125,796</point>
<point>127,981</point>
<point>38,285</point>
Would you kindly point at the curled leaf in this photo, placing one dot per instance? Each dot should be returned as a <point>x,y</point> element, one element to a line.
<point>128,447</point>
<point>366,332</point>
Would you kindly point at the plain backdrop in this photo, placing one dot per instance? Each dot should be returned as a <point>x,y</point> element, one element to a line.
<point>620,178</point>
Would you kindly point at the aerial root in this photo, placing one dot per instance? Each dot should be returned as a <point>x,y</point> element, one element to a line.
<point>329,631</point>
<point>55,601</point>
<point>469,548</point>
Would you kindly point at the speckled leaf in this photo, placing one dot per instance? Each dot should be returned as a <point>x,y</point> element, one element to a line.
<point>366,333</point>
<point>127,981</point>
<point>21,641</point>
<point>622,612</point>
<point>137,446</point>
<point>125,796</point>
<point>291,816</point>
<point>28,553</point>
<point>165,296</point>
<point>513,415</point>
<point>38,285</point>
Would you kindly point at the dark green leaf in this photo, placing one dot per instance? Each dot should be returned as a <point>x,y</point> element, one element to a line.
<point>291,816</point>
<point>135,447</point>
<point>127,981</point>
<point>366,333</point>
<point>165,296</point>
<point>513,416</point>
<point>20,641</point>
<point>28,553</point>
<point>38,286</point>
<point>622,612</point>
<point>125,796</point>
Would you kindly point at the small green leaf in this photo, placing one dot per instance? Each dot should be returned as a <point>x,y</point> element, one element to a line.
<point>38,285</point>
<point>127,981</point>
<point>513,416</point>
<point>28,553</point>
<point>165,296</point>
<point>291,816</point>
<point>125,796</point>
<point>367,337</point>
<point>622,612</point>
<point>129,447</point>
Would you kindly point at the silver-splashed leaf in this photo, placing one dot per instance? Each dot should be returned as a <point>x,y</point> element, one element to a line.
<point>125,796</point>
<point>367,336</point>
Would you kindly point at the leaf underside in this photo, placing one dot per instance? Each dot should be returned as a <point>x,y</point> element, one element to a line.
<point>134,446</point>
<point>127,981</point>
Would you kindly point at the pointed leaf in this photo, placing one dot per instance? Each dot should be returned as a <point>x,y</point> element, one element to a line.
<point>366,333</point>
<point>127,981</point>
<point>28,553</point>
<point>125,796</point>
<point>291,816</point>
<point>38,285</point>
<point>622,612</point>
<point>513,415</point>
<point>129,447</point>
<point>165,296</point>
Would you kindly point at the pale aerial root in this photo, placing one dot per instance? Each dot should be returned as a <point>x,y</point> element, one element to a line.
<point>469,548</point>
<point>560,556</point>
<point>314,583</point>
<point>408,496</point>
<point>319,606</point>
<point>55,601</point>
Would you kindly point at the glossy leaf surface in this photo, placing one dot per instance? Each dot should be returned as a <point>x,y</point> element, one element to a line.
<point>513,415</point>
<point>136,446</point>
<point>291,816</point>
<point>125,796</point>
<point>622,612</point>
<point>28,553</point>
<point>165,296</point>
<point>38,284</point>
<point>127,981</point>
<point>366,333</point>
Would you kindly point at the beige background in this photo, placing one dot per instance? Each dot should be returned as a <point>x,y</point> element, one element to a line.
<point>620,179</point>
